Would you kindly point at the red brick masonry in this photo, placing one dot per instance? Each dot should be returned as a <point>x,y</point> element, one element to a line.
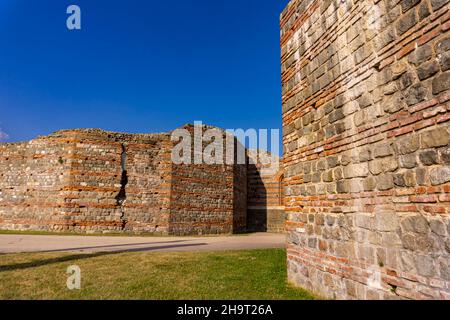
<point>91,180</point>
<point>366,105</point>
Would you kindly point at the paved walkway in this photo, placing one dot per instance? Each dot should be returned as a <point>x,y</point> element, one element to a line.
<point>53,243</point>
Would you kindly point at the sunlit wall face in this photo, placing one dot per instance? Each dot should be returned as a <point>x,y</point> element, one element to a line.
<point>366,164</point>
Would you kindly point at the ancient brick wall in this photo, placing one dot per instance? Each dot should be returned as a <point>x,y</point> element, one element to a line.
<point>366,136</point>
<point>96,181</point>
<point>208,198</point>
<point>87,181</point>
<point>265,193</point>
<point>32,180</point>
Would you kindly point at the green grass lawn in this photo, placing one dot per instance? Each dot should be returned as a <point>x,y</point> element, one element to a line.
<point>246,275</point>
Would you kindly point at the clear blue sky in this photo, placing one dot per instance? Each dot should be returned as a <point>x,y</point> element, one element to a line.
<point>139,65</point>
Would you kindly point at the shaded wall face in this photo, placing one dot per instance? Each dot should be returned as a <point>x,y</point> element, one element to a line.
<point>208,199</point>
<point>366,138</point>
<point>265,199</point>
<point>202,199</point>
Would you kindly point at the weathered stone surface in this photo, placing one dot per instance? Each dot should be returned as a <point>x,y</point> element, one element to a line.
<point>386,221</point>
<point>417,93</point>
<point>427,70</point>
<point>327,176</point>
<point>391,215</point>
<point>385,182</point>
<point>425,266</point>
<point>423,11</point>
<point>343,186</point>
<point>399,180</point>
<point>441,82</point>
<point>443,45</point>
<point>438,227</point>
<point>445,155</point>
<point>406,22</point>
<point>444,269</point>
<point>421,54</point>
<point>408,161</point>
<point>437,4</point>
<point>332,161</point>
<point>408,144</point>
<point>356,170</point>
<point>408,4</point>
<point>435,138</point>
<point>378,166</point>
<point>429,158</point>
<point>365,155</point>
<point>369,184</point>
<point>421,176</point>
<point>444,61</point>
<point>382,150</point>
<point>440,176</point>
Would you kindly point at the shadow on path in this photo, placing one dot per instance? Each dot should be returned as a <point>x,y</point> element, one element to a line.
<point>109,246</point>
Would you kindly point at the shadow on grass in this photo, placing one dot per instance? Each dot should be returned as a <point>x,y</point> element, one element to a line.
<point>110,246</point>
<point>39,263</point>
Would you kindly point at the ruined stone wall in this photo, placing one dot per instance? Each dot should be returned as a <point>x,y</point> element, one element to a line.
<point>265,193</point>
<point>32,180</point>
<point>366,136</point>
<point>87,181</point>
<point>91,180</point>
<point>208,199</point>
<point>121,182</point>
<point>202,199</point>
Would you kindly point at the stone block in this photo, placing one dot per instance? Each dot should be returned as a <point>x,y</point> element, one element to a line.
<point>435,138</point>
<point>406,22</point>
<point>408,144</point>
<point>445,155</point>
<point>444,269</point>
<point>421,176</point>
<point>438,227</point>
<point>420,55</point>
<point>416,94</point>
<point>356,170</point>
<point>386,221</point>
<point>423,10</point>
<point>441,82</point>
<point>437,4</point>
<point>444,60</point>
<point>343,186</point>
<point>427,70</point>
<point>425,266</point>
<point>408,4</point>
<point>382,150</point>
<point>408,161</point>
<point>429,158</point>
<point>440,175</point>
<point>327,176</point>
<point>385,182</point>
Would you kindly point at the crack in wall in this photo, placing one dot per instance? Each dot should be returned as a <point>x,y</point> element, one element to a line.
<point>121,198</point>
